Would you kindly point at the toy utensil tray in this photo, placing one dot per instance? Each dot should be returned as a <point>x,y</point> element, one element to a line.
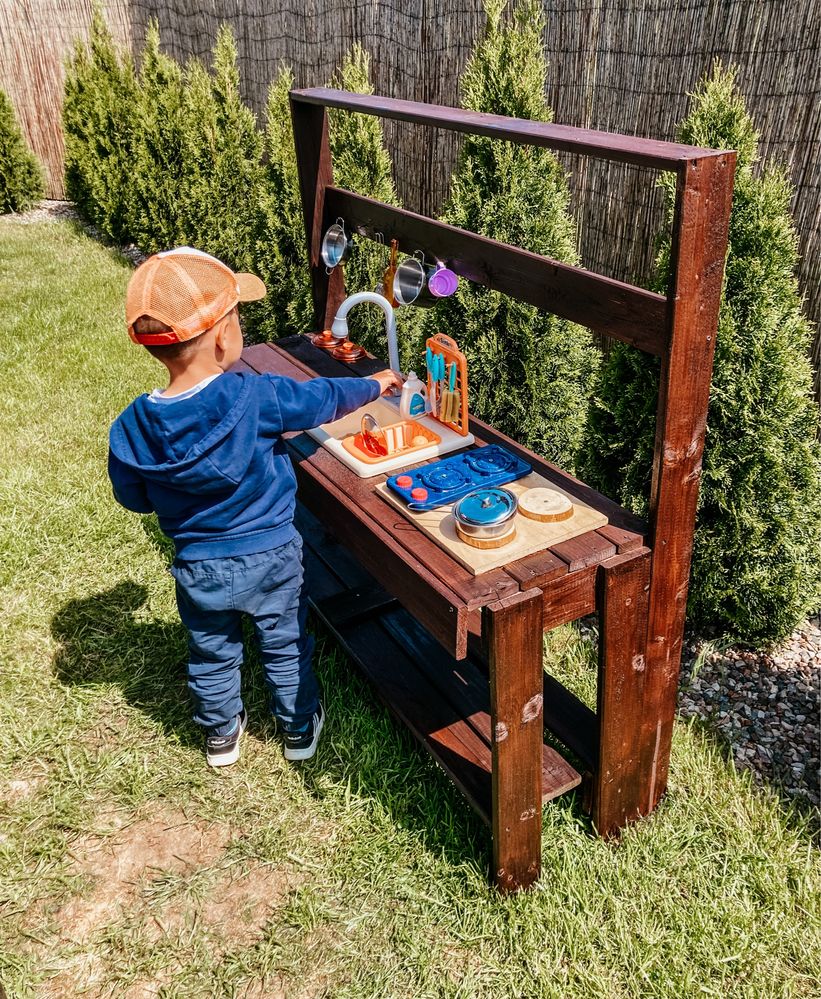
<point>444,482</point>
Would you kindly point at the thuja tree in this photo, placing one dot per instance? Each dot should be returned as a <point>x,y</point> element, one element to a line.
<point>757,551</point>
<point>156,206</point>
<point>221,150</point>
<point>361,163</point>
<point>529,371</point>
<point>21,178</point>
<point>98,123</point>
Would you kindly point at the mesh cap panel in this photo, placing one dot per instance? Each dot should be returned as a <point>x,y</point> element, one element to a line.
<point>186,290</point>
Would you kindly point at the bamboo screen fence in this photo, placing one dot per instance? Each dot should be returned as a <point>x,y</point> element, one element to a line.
<point>624,67</point>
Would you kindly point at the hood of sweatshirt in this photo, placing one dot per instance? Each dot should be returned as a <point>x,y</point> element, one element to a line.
<point>192,445</point>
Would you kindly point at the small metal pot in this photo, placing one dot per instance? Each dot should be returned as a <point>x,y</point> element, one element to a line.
<point>486,513</point>
<point>336,245</point>
<point>410,283</point>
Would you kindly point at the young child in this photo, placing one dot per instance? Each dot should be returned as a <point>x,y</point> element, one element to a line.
<point>206,454</point>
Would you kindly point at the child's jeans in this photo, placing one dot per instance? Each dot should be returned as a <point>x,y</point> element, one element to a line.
<point>212,595</point>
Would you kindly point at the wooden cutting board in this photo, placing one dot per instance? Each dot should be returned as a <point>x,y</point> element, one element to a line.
<point>531,535</point>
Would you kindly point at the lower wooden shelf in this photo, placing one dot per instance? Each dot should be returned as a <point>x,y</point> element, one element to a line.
<point>444,703</point>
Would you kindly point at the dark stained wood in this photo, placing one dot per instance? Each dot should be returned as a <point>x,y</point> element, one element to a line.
<point>603,145</point>
<point>609,307</point>
<point>313,155</point>
<point>357,604</point>
<point>699,246</point>
<point>571,721</point>
<point>513,635</point>
<point>569,597</point>
<point>436,695</point>
<point>537,569</point>
<point>625,541</point>
<point>587,549</point>
<point>465,684</point>
<point>620,782</point>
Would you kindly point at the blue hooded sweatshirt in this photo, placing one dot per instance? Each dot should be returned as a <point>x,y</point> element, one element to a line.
<point>214,466</point>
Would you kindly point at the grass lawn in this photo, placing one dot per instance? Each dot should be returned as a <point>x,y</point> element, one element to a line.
<point>128,868</point>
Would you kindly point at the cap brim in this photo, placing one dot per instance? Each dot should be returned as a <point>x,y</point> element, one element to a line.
<point>251,289</point>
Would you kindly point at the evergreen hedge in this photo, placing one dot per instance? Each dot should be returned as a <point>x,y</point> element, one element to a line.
<point>757,552</point>
<point>21,177</point>
<point>99,102</point>
<point>530,371</point>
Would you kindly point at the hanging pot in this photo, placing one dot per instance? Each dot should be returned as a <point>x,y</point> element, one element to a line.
<point>336,245</point>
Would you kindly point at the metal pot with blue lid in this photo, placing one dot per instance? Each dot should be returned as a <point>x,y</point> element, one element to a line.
<point>485,517</point>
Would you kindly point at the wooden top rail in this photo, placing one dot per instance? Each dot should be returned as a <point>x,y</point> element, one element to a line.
<point>604,145</point>
<point>609,307</point>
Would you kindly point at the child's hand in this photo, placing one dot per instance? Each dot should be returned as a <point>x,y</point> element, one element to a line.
<point>387,380</point>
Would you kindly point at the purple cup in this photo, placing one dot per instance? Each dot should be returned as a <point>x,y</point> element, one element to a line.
<point>442,282</point>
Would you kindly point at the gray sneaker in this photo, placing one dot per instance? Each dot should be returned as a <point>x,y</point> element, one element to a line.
<point>302,745</point>
<point>223,750</point>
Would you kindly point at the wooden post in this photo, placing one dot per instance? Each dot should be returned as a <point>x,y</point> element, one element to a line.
<point>703,201</point>
<point>620,783</point>
<point>313,156</point>
<point>513,639</point>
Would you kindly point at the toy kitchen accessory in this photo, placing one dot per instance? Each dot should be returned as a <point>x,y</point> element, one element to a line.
<point>446,481</point>
<point>485,517</point>
<point>447,382</point>
<point>336,245</point>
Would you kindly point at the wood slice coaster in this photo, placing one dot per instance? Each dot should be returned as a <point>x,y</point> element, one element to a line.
<point>487,543</point>
<point>548,506</point>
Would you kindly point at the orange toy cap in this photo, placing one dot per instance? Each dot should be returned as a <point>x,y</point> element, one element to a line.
<point>186,290</point>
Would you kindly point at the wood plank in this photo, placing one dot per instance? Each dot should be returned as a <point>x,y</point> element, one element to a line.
<point>700,228</point>
<point>622,777</point>
<point>569,597</point>
<point>603,145</point>
<point>410,648</point>
<point>464,684</point>
<point>609,307</point>
<point>586,549</point>
<point>625,541</point>
<point>513,634</point>
<point>313,157</point>
<point>537,569</point>
<point>572,722</point>
<point>357,604</point>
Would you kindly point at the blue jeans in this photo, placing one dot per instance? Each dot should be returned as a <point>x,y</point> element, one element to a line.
<point>212,595</point>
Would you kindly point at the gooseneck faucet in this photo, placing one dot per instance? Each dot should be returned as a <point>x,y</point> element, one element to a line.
<point>339,327</point>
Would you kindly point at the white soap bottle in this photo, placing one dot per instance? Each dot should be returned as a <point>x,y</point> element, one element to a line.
<point>414,400</point>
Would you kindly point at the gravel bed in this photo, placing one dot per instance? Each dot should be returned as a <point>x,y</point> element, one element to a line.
<point>765,704</point>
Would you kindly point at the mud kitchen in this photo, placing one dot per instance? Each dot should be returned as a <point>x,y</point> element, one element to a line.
<point>439,550</point>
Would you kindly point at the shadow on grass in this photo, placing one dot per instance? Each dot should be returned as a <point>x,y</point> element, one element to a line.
<point>110,639</point>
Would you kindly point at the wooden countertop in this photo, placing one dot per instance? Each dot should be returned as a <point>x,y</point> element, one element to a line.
<point>435,588</point>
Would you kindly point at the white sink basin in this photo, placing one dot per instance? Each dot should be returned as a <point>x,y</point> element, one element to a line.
<point>385,412</point>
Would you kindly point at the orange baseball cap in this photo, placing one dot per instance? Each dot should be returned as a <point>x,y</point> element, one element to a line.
<point>186,290</point>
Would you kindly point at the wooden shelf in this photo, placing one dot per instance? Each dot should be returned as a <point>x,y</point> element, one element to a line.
<point>444,703</point>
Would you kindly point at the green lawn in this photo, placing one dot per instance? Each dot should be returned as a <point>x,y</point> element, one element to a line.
<point>128,868</point>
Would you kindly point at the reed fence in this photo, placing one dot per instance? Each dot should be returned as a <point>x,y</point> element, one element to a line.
<point>624,67</point>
